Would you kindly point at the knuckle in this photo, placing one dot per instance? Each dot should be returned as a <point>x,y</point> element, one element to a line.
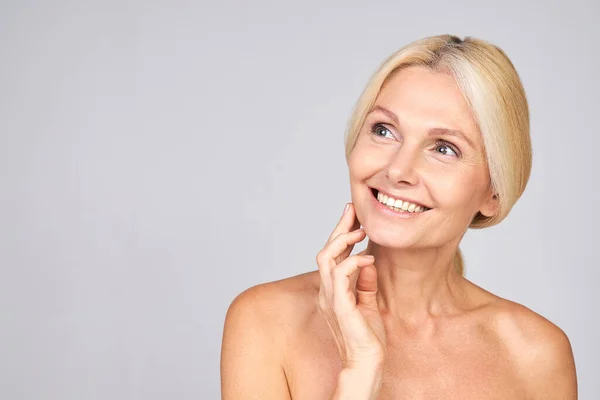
<point>354,259</point>
<point>321,257</point>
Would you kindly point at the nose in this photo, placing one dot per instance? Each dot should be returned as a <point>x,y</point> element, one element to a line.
<point>402,165</point>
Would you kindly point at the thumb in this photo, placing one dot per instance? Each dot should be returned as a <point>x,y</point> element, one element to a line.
<point>366,286</point>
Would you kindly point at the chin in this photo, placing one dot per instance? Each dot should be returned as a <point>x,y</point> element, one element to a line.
<point>393,237</point>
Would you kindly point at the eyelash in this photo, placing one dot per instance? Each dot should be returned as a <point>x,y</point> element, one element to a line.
<point>438,143</point>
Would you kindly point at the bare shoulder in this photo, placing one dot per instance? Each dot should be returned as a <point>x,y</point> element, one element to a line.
<point>541,350</point>
<point>279,305</point>
<point>258,325</point>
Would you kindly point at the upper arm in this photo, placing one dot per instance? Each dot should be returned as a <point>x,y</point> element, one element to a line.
<point>251,351</point>
<point>544,355</point>
<point>553,367</point>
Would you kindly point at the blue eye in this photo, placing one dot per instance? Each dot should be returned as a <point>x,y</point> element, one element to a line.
<point>446,148</point>
<point>375,130</point>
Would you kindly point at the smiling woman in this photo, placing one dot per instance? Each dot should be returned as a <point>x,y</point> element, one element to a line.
<point>437,143</point>
<point>494,101</point>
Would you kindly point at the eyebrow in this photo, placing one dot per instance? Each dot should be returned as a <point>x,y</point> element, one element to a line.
<point>430,132</point>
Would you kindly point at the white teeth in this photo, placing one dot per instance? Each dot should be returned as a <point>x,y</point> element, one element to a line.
<point>399,204</point>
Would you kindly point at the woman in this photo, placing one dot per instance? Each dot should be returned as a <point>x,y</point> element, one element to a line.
<point>438,142</point>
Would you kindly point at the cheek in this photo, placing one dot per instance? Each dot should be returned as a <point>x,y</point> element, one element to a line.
<point>364,161</point>
<point>458,189</point>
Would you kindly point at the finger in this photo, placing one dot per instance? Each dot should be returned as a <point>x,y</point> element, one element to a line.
<point>344,300</point>
<point>348,250</point>
<point>345,224</point>
<point>356,223</point>
<point>353,326</point>
<point>340,247</point>
<point>366,287</point>
<point>327,257</point>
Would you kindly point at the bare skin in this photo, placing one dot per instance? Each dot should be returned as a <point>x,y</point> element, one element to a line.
<point>493,349</point>
<point>404,325</point>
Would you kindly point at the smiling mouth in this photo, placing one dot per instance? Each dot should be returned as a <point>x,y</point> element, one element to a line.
<point>398,205</point>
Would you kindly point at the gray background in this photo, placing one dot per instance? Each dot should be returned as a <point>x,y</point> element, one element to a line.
<point>157,158</point>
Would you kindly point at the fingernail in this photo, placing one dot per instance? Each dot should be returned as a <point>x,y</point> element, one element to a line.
<point>370,256</point>
<point>346,208</point>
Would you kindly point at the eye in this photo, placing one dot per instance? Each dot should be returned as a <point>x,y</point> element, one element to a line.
<point>380,130</point>
<point>446,149</point>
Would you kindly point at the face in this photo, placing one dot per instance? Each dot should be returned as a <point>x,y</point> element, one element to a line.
<point>419,144</point>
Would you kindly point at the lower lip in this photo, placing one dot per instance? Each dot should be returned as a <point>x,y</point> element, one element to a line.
<point>398,214</point>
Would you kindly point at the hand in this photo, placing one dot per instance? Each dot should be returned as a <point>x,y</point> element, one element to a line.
<point>347,296</point>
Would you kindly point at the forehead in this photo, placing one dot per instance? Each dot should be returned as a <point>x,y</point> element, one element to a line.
<point>422,98</point>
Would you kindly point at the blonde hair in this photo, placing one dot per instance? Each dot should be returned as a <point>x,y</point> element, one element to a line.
<point>495,94</point>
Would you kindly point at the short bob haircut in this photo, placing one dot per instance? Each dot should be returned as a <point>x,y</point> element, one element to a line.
<point>492,88</point>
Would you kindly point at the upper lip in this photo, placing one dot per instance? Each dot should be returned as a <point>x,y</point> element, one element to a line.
<point>398,197</point>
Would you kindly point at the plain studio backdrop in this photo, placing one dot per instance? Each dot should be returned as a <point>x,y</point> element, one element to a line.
<point>159,157</point>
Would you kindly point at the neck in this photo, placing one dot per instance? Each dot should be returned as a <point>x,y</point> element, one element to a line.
<point>417,285</point>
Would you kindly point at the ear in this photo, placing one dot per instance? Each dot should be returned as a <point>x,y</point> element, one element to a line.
<point>490,205</point>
